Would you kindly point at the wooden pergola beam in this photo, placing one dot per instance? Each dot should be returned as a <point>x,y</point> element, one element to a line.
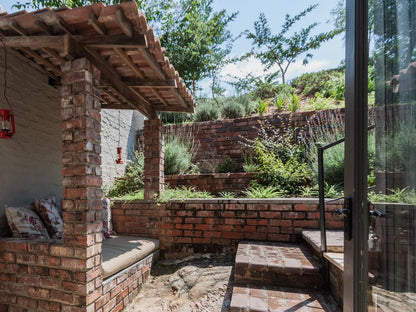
<point>57,42</point>
<point>149,83</point>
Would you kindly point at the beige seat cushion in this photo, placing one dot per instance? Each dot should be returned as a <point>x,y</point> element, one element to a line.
<point>119,252</point>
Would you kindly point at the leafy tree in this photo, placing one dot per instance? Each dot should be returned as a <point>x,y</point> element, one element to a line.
<point>282,49</point>
<point>195,38</point>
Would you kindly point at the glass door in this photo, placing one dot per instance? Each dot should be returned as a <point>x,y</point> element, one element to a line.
<point>380,167</point>
<point>392,223</point>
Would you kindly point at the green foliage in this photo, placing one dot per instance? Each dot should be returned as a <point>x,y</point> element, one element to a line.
<point>308,191</point>
<point>175,118</point>
<point>262,106</point>
<point>294,103</point>
<point>319,102</point>
<point>132,180</point>
<point>330,83</point>
<point>249,164</point>
<point>179,153</point>
<point>232,109</point>
<point>196,39</point>
<point>131,196</point>
<point>281,49</point>
<point>227,165</point>
<point>262,87</point>
<point>404,196</point>
<point>280,102</point>
<point>397,149</point>
<point>260,191</point>
<point>248,104</point>
<point>227,194</point>
<point>280,159</point>
<point>206,112</point>
<point>333,190</point>
<point>182,194</point>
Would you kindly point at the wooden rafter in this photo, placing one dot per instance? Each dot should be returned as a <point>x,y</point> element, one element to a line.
<point>149,83</point>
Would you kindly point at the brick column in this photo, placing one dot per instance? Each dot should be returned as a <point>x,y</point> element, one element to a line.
<point>154,177</point>
<point>82,192</point>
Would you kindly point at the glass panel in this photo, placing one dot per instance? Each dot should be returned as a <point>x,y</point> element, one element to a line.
<point>391,243</point>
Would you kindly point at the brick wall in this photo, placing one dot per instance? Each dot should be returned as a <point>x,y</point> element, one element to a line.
<point>213,183</point>
<point>218,225</point>
<point>220,138</point>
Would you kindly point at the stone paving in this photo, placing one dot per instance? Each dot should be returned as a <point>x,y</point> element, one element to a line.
<point>200,283</point>
<point>279,299</point>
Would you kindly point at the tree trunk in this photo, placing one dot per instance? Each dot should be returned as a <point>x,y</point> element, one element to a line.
<point>193,85</point>
<point>212,90</point>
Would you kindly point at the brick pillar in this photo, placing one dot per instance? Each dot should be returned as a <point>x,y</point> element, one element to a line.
<point>154,177</point>
<point>82,182</point>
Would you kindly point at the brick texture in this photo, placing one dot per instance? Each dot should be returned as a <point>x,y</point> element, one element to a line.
<point>153,158</point>
<point>218,225</point>
<point>221,138</point>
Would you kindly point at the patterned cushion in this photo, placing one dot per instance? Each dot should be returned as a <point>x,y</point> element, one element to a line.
<point>25,223</point>
<point>107,223</point>
<point>46,209</point>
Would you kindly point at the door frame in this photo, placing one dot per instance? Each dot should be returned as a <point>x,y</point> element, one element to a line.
<point>356,159</point>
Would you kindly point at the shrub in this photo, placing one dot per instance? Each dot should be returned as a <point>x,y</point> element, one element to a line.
<point>232,109</point>
<point>132,180</point>
<point>284,91</point>
<point>227,165</point>
<point>319,102</point>
<point>247,103</point>
<point>175,118</point>
<point>206,112</point>
<point>179,152</point>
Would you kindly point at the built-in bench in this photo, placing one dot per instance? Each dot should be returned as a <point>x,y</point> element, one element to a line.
<point>120,252</point>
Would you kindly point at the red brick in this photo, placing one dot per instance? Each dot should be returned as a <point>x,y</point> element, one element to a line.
<point>303,207</point>
<point>38,292</point>
<point>27,302</point>
<point>184,226</point>
<point>270,215</point>
<point>280,207</point>
<point>212,234</point>
<point>198,240</point>
<point>306,223</point>
<point>203,227</point>
<point>293,215</point>
<point>233,235</point>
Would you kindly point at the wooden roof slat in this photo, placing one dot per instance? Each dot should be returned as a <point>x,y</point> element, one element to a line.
<point>108,41</point>
<point>114,78</point>
<point>99,28</point>
<point>55,69</point>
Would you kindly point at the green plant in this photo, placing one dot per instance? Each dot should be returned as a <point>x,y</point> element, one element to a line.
<point>405,196</point>
<point>319,102</point>
<point>248,104</point>
<point>333,190</point>
<point>132,180</point>
<point>294,103</point>
<point>308,191</point>
<point>227,165</point>
<point>206,112</point>
<point>175,118</point>
<point>262,106</point>
<point>260,191</point>
<point>131,196</point>
<point>249,164</point>
<point>179,152</point>
<point>232,109</point>
<point>227,194</point>
<point>182,194</point>
<point>280,102</point>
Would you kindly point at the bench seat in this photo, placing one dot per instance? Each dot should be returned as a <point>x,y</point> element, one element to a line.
<point>119,252</point>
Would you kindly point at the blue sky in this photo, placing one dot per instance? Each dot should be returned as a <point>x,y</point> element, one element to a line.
<point>328,56</point>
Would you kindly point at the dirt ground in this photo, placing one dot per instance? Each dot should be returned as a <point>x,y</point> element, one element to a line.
<point>199,283</point>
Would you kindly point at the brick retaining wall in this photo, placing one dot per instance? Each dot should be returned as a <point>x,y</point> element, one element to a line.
<point>220,138</point>
<point>213,183</point>
<point>217,225</point>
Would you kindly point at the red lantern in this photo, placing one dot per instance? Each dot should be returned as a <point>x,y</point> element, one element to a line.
<point>119,160</point>
<point>7,129</point>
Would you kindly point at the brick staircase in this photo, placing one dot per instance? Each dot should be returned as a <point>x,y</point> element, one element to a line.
<point>271,277</point>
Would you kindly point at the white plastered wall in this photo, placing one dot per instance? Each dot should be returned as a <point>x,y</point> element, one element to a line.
<point>31,162</point>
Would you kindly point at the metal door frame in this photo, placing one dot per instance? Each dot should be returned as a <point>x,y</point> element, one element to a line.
<point>356,159</point>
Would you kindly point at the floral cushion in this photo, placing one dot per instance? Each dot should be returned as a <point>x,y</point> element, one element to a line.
<point>25,223</point>
<point>46,209</point>
<point>107,223</point>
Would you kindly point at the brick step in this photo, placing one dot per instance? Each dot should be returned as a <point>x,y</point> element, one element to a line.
<point>250,298</point>
<point>334,240</point>
<point>279,264</point>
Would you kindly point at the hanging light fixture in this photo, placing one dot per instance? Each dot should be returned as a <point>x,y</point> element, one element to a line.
<point>7,129</point>
<point>119,160</point>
